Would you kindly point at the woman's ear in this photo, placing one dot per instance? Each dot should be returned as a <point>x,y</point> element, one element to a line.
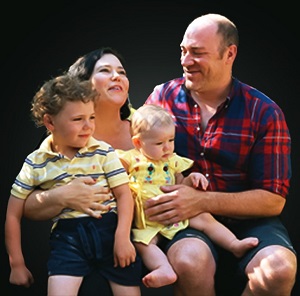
<point>136,142</point>
<point>48,122</point>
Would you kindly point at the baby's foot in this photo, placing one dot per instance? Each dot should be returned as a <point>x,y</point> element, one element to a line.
<point>240,247</point>
<point>159,277</point>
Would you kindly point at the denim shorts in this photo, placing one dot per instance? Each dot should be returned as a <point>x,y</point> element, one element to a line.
<point>269,231</point>
<point>80,245</point>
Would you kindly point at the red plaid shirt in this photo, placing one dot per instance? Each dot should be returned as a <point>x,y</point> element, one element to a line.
<point>246,144</point>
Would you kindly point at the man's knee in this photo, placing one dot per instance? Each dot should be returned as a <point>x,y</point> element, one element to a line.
<point>273,267</point>
<point>190,255</point>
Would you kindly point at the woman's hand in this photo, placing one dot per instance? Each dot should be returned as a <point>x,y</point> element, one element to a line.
<point>80,194</point>
<point>83,195</point>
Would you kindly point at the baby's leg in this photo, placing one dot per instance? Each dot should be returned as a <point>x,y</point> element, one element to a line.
<point>161,271</point>
<point>62,285</point>
<point>221,235</point>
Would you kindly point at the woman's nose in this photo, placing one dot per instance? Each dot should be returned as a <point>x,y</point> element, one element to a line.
<point>115,75</point>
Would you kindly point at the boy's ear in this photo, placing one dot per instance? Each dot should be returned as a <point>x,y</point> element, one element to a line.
<point>48,122</point>
<point>136,142</point>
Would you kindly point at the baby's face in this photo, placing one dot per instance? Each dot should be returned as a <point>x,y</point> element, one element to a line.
<point>158,143</point>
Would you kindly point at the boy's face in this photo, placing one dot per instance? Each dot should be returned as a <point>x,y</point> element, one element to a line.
<point>73,126</point>
<point>158,143</point>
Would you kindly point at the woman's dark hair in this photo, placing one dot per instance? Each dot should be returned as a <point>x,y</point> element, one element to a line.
<point>84,66</point>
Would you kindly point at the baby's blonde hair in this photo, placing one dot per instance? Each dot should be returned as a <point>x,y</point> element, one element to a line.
<point>149,116</point>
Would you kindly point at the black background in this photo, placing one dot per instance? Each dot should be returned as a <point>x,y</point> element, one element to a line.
<point>40,41</point>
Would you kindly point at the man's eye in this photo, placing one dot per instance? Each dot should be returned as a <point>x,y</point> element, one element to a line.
<point>198,53</point>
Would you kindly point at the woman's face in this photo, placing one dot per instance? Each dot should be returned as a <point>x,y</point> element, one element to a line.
<point>110,79</point>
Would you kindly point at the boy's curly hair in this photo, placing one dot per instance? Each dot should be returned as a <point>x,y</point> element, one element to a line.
<point>55,92</point>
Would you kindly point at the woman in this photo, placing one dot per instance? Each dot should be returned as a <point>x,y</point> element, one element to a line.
<point>104,67</point>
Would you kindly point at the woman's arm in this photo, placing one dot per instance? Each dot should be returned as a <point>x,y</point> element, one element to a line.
<point>80,194</point>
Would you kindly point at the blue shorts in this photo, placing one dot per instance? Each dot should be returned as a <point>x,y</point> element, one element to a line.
<point>269,231</point>
<point>80,245</point>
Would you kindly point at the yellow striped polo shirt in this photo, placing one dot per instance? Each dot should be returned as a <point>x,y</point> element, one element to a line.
<point>46,169</point>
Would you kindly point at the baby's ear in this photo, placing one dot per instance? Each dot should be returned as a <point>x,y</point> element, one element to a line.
<point>136,142</point>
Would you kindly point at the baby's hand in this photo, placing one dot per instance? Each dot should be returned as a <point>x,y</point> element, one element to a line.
<point>199,179</point>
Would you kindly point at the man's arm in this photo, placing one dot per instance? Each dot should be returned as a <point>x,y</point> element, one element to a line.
<point>180,202</point>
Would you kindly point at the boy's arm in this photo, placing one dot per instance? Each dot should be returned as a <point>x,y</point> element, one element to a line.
<point>19,275</point>
<point>124,251</point>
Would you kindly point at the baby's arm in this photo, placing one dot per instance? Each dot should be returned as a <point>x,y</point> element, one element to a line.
<point>194,179</point>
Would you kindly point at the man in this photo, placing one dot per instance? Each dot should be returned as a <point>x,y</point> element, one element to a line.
<point>239,139</point>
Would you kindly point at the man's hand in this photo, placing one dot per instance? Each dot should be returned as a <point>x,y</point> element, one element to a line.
<point>179,202</point>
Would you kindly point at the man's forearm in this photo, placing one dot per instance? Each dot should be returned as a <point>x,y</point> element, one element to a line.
<point>246,204</point>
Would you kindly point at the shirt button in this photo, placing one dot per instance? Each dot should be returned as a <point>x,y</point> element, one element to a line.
<point>198,128</point>
<point>206,175</point>
<point>202,153</point>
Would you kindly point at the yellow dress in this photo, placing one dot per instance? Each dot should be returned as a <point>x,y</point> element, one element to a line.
<point>146,177</point>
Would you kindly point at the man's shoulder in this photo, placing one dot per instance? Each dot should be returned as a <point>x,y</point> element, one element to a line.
<point>169,88</point>
<point>173,82</point>
<point>250,92</point>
